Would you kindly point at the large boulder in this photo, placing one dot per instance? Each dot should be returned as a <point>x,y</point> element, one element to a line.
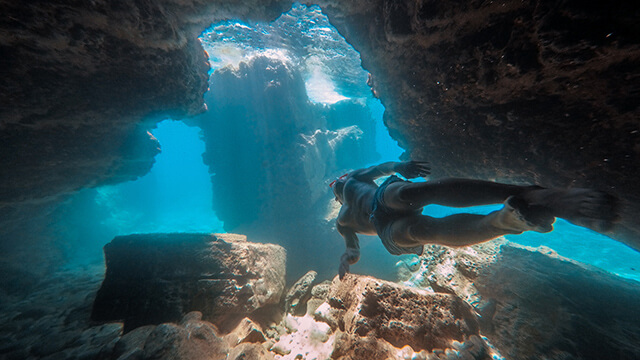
<point>535,303</point>
<point>374,319</point>
<point>155,278</point>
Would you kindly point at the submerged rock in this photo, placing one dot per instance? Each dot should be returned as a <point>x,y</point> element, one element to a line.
<point>247,331</point>
<point>130,345</point>
<point>318,296</point>
<point>191,339</point>
<point>155,278</point>
<point>298,146</point>
<point>533,302</point>
<point>295,302</point>
<point>374,319</point>
<point>248,351</point>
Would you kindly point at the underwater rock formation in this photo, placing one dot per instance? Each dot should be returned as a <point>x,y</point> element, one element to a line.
<point>83,83</point>
<point>79,78</point>
<point>295,302</point>
<point>53,321</point>
<point>190,339</point>
<point>61,141</point>
<point>533,302</point>
<point>491,301</point>
<point>154,278</point>
<point>270,152</point>
<point>375,318</point>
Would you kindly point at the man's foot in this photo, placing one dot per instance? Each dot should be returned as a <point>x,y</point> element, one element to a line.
<point>594,209</point>
<point>519,216</point>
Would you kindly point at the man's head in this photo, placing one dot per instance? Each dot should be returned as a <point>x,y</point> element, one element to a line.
<point>337,186</point>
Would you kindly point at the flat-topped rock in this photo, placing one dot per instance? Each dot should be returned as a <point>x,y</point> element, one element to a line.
<point>155,278</point>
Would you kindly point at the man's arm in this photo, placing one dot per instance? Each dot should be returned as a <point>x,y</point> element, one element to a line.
<point>408,169</point>
<point>352,254</point>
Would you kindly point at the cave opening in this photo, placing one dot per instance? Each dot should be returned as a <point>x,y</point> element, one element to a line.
<point>289,108</point>
<point>303,37</point>
<point>175,196</point>
<point>288,100</point>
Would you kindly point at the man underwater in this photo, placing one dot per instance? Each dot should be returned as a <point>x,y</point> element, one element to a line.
<point>393,210</point>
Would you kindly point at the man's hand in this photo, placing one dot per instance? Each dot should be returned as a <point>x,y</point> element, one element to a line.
<point>350,257</point>
<point>413,169</point>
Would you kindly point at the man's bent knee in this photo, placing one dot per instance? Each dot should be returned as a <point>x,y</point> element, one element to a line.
<point>408,232</point>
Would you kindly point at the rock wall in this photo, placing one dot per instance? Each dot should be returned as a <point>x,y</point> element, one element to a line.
<point>83,82</point>
<point>78,79</point>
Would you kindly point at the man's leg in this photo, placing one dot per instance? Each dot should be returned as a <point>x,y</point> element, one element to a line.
<point>525,208</point>
<point>462,229</point>
<point>450,192</point>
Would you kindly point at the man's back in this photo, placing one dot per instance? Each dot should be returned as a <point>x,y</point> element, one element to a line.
<point>356,206</point>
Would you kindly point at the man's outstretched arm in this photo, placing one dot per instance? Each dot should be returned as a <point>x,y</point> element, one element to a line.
<point>352,254</point>
<point>408,169</point>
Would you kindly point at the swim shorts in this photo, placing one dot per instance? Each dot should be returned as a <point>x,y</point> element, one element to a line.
<point>382,217</point>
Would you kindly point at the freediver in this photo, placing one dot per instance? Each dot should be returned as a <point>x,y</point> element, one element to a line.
<point>393,210</point>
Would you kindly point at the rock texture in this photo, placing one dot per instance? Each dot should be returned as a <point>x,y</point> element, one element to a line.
<point>53,321</point>
<point>533,302</point>
<point>375,318</point>
<point>158,278</point>
<point>295,302</point>
<point>191,338</point>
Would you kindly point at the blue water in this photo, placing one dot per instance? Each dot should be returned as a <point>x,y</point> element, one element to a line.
<point>175,196</point>
<point>385,146</point>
